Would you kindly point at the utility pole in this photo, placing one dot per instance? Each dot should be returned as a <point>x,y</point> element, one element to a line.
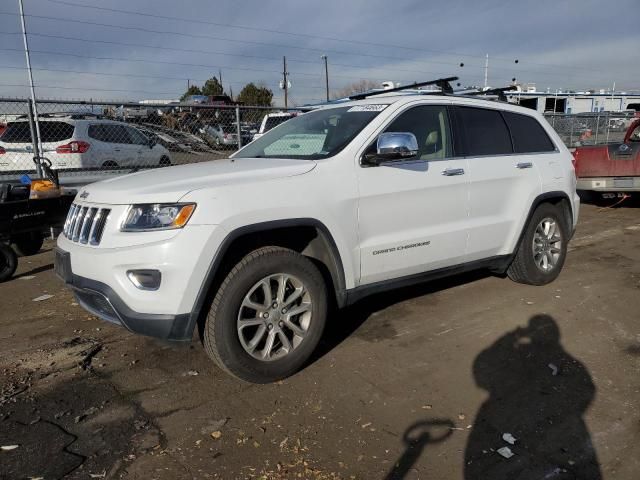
<point>38,143</point>
<point>285,81</point>
<point>220,75</point>
<point>326,75</point>
<point>486,71</point>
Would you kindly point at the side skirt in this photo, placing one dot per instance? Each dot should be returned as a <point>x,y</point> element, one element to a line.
<point>497,264</point>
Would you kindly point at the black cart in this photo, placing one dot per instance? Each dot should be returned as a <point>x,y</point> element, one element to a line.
<point>25,222</point>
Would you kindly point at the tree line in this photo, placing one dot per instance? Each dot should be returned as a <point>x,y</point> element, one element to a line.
<point>251,94</point>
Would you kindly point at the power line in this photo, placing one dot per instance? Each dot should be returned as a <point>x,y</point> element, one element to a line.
<point>132,75</point>
<point>297,34</point>
<point>295,60</point>
<point>136,60</point>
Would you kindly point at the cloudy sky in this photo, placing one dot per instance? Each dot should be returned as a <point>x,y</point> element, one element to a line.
<point>149,49</point>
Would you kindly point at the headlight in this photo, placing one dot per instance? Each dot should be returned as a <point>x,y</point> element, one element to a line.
<point>157,216</point>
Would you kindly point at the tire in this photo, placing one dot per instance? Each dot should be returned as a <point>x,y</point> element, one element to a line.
<point>165,161</point>
<point>224,339</point>
<point>8,262</point>
<point>530,267</point>
<point>28,244</point>
<point>109,164</point>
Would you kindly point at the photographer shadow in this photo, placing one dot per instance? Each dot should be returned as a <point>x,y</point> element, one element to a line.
<point>539,394</point>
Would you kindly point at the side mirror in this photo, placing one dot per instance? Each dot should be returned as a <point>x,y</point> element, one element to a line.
<point>394,146</point>
<point>152,142</point>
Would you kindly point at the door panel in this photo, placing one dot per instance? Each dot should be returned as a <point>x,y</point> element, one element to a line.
<point>413,217</point>
<point>500,193</point>
<point>503,178</point>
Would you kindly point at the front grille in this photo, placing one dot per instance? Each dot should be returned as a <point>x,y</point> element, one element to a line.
<point>85,224</point>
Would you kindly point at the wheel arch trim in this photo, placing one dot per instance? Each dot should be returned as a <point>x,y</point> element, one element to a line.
<point>336,269</point>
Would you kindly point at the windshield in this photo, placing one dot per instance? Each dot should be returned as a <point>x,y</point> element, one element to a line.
<point>314,135</point>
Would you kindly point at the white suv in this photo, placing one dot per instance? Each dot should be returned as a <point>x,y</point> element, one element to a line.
<point>331,206</point>
<point>77,141</point>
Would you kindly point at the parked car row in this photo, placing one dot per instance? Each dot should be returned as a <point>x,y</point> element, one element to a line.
<point>73,141</point>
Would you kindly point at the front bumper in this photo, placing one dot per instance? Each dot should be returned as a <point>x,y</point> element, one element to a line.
<point>102,301</point>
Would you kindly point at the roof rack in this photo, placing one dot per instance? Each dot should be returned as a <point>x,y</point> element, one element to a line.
<point>443,83</point>
<point>499,92</point>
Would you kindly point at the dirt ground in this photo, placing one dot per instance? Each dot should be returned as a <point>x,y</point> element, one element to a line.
<point>422,383</point>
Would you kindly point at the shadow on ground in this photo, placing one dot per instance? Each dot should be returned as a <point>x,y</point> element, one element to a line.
<point>538,394</point>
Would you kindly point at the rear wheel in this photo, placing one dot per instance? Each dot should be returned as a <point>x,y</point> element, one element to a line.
<point>165,161</point>
<point>110,164</point>
<point>267,316</point>
<point>28,244</point>
<point>543,248</point>
<point>8,262</point>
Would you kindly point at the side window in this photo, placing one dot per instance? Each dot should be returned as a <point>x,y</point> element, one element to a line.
<point>485,132</point>
<point>430,125</point>
<point>118,134</point>
<point>109,133</point>
<point>97,133</point>
<point>137,137</point>
<point>527,134</point>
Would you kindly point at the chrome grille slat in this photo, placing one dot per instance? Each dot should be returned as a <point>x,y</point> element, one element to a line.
<point>85,224</point>
<point>97,234</point>
<point>76,228</point>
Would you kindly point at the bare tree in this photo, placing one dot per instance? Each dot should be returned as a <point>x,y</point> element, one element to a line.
<point>355,87</point>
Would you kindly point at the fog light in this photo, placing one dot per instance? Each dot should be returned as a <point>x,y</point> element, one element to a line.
<point>145,279</point>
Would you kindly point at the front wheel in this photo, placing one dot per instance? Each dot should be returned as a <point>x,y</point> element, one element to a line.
<point>543,248</point>
<point>267,316</point>
<point>8,262</point>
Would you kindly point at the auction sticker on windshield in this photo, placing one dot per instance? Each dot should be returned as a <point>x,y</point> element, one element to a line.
<point>367,108</point>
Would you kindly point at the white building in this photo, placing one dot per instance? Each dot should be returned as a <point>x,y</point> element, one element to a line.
<point>574,102</point>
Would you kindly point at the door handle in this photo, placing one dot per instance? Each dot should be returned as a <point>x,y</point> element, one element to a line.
<point>450,172</point>
<point>524,165</point>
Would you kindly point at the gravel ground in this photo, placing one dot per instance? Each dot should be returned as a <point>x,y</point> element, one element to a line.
<point>421,383</point>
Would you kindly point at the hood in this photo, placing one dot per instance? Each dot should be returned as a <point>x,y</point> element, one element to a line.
<point>169,184</point>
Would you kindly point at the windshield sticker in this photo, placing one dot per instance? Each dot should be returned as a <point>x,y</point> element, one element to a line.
<point>367,108</point>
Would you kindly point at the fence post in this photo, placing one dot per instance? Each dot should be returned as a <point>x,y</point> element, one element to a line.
<point>34,136</point>
<point>238,127</point>
<point>571,132</point>
<point>608,120</point>
<point>595,141</point>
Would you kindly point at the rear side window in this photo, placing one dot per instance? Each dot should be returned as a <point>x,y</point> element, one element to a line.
<point>484,132</point>
<point>109,133</point>
<point>19,132</point>
<point>527,134</point>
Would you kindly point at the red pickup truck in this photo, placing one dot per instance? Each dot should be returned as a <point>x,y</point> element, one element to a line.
<point>611,169</point>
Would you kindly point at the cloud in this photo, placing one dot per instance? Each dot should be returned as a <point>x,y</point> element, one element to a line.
<point>558,44</point>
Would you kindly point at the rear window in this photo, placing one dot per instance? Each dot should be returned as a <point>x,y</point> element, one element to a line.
<point>527,134</point>
<point>19,132</point>
<point>275,121</point>
<point>485,132</point>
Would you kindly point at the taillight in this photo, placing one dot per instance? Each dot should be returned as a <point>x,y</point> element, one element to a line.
<point>2,151</point>
<point>225,135</point>
<point>73,147</point>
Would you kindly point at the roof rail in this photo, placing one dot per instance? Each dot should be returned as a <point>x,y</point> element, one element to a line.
<point>494,91</point>
<point>443,83</point>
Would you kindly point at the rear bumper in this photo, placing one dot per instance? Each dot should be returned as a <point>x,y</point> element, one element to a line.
<point>103,302</point>
<point>609,184</point>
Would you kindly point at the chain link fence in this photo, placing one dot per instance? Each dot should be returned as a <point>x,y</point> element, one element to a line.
<point>89,141</point>
<point>590,128</point>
